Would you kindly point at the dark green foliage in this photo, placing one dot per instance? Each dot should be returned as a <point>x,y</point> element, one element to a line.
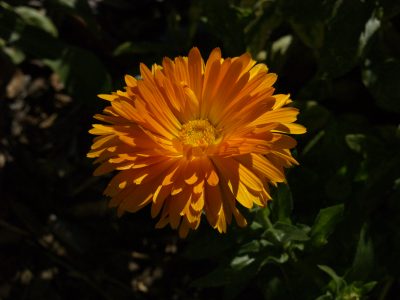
<point>332,233</point>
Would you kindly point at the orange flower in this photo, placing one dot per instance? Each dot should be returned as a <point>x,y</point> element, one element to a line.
<point>190,137</point>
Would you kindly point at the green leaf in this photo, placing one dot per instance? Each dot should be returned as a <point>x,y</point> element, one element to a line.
<point>307,19</point>
<point>226,24</point>
<point>363,263</point>
<point>356,142</point>
<point>314,116</point>
<point>82,73</point>
<point>330,272</point>
<point>369,146</point>
<point>306,10</point>
<point>327,296</point>
<point>278,54</point>
<point>68,3</point>
<point>80,10</point>
<point>281,45</point>
<point>36,18</point>
<point>339,283</point>
<point>261,25</point>
<point>16,55</point>
<point>28,31</point>
<point>139,48</point>
<point>8,22</point>
<point>284,257</point>
<point>367,287</point>
<point>291,233</point>
<point>311,34</point>
<point>39,43</point>
<point>371,27</point>
<point>261,219</point>
<point>325,223</point>
<point>391,8</point>
<point>382,80</point>
<point>254,246</point>
<point>241,278</point>
<point>340,51</point>
<point>241,262</point>
<point>282,205</point>
<point>355,290</point>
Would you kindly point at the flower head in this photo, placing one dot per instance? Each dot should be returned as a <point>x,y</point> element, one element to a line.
<point>192,137</point>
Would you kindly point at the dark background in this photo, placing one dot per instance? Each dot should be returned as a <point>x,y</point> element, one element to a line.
<point>332,233</point>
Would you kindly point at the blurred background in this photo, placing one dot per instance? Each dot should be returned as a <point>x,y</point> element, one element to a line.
<point>332,233</point>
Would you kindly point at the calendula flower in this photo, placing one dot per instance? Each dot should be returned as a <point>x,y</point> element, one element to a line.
<point>193,138</point>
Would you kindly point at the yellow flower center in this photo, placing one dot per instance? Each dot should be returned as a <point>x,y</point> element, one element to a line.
<point>198,133</point>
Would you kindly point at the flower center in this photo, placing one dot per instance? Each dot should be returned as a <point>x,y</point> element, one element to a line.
<point>198,133</point>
